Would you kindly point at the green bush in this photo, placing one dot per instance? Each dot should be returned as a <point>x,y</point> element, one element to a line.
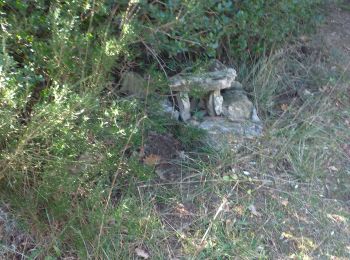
<point>171,33</point>
<point>182,31</point>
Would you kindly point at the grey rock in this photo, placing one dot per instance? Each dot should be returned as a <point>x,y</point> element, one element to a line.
<point>210,105</point>
<point>184,105</point>
<point>255,117</point>
<point>209,81</point>
<point>214,103</point>
<point>168,109</point>
<point>223,133</point>
<point>217,102</point>
<point>220,125</point>
<point>236,105</point>
<point>194,122</point>
<point>209,84</point>
<point>133,84</point>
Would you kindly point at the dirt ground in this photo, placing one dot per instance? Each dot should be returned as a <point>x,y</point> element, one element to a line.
<point>335,33</point>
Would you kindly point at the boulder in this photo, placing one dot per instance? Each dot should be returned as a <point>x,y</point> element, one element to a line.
<point>206,82</point>
<point>236,105</point>
<point>222,133</point>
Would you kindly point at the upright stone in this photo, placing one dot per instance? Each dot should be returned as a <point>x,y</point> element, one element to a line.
<point>214,103</point>
<point>184,105</point>
<point>218,101</point>
<point>210,105</point>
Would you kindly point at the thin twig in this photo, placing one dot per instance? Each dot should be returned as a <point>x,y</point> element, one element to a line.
<point>221,207</point>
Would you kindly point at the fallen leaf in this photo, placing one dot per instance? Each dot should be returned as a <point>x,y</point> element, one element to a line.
<point>285,203</point>
<point>254,211</point>
<point>152,159</point>
<point>284,107</point>
<point>181,210</point>
<point>286,235</point>
<point>333,168</point>
<point>337,218</point>
<point>239,210</point>
<point>141,253</point>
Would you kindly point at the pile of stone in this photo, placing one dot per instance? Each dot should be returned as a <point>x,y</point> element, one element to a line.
<point>224,106</point>
<point>209,84</point>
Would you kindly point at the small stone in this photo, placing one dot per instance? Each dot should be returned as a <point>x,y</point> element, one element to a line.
<point>169,109</point>
<point>255,117</point>
<point>237,106</point>
<point>210,105</point>
<point>184,105</point>
<point>214,104</point>
<point>218,101</point>
<point>223,133</point>
<point>246,173</point>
